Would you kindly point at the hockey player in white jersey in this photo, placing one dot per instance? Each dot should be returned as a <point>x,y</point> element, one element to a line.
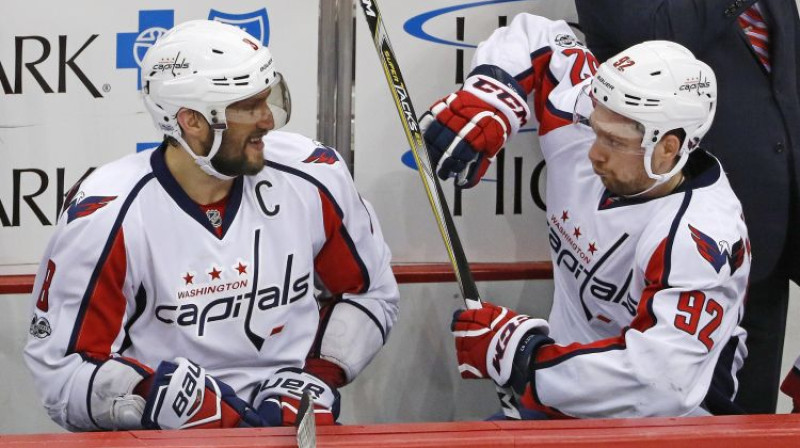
<point>179,288</point>
<point>649,247</point>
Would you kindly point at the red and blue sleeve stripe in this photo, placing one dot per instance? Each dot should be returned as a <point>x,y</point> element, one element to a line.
<point>338,264</point>
<point>102,309</point>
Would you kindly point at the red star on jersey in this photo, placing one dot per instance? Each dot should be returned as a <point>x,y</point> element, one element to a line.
<point>577,232</point>
<point>188,278</point>
<point>564,216</point>
<point>214,274</point>
<point>592,248</point>
<point>242,268</point>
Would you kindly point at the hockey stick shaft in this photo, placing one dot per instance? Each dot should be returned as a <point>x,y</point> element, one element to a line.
<point>433,188</point>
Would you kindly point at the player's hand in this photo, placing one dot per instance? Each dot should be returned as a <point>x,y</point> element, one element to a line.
<point>465,130</point>
<point>463,134</point>
<point>278,398</point>
<point>183,396</point>
<point>487,340</point>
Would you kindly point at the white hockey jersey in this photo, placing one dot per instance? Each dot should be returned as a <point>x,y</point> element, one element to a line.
<point>648,293</point>
<point>136,270</point>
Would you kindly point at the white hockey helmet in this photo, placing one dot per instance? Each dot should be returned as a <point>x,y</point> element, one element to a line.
<point>205,66</point>
<point>662,86</point>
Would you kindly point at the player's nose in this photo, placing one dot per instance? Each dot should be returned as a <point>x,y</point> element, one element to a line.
<point>266,119</point>
<point>596,153</point>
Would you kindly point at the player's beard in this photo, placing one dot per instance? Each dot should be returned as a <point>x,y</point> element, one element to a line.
<point>232,158</point>
<point>628,188</point>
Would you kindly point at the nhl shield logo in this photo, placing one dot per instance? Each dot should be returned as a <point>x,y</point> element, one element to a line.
<point>255,23</point>
<point>214,217</point>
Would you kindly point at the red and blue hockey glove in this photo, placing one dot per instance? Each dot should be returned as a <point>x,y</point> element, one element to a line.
<point>496,342</point>
<point>465,130</point>
<point>183,396</point>
<point>278,398</point>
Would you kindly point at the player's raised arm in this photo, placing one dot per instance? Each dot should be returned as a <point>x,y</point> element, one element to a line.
<point>533,55</point>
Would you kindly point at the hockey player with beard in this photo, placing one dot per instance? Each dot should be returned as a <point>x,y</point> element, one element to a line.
<point>649,247</point>
<point>178,289</point>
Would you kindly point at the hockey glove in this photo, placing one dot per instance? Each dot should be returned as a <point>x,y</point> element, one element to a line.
<point>279,398</point>
<point>183,396</point>
<point>496,342</point>
<point>465,130</point>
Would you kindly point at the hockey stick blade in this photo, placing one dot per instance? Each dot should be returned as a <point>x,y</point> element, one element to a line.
<point>441,211</point>
<point>306,424</point>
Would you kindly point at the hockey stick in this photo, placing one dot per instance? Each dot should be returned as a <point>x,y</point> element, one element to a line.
<point>306,424</point>
<point>441,211</point>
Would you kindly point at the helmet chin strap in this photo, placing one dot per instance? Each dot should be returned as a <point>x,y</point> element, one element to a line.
<point>205,162</point>
<point>646,190</point>
<point>659,178</point>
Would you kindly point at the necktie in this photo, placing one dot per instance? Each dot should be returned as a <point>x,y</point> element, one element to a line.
<point>755,28</point>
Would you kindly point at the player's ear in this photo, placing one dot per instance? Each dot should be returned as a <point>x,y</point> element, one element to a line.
<point>193,124</point>
<point>670,146</point>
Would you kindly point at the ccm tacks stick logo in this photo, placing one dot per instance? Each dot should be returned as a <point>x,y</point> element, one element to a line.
<point>368,8</point>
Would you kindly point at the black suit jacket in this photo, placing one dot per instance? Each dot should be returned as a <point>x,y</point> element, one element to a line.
<point>756,132</point>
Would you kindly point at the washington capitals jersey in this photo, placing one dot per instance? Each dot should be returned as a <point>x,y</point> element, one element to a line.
<point>648,293</point>
<point>136,269</point>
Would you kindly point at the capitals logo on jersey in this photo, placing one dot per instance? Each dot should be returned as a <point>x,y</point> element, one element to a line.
<point>81,206</point>
<point>718,254</point>
<point>322,154</point>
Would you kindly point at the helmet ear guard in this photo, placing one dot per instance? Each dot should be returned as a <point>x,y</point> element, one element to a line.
<point>663,87</point>
<point>206,66</point>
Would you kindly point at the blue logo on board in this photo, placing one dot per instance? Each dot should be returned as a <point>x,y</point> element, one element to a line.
<point>131,47</point>
<point>255,23</point>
